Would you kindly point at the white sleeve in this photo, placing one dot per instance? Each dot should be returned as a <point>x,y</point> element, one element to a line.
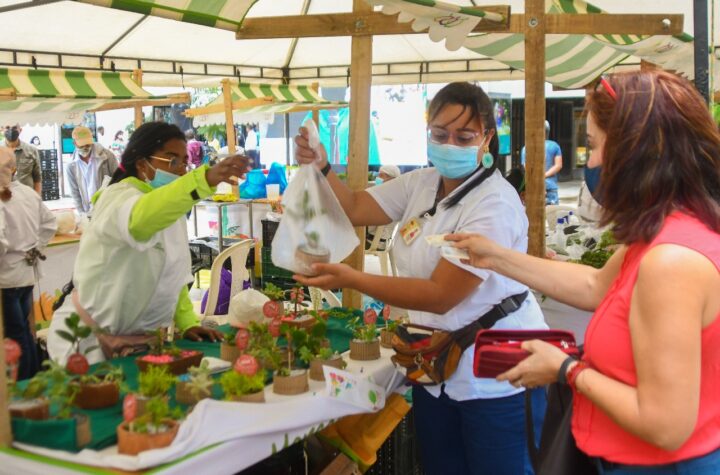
<point>393,196</point>
<point>47,226</point>
<point>4,243</point>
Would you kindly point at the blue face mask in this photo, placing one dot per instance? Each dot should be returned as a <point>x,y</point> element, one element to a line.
<point>452,161</point>
<point>592,179</point>
<point>379,181</point>
<point>161,178</point>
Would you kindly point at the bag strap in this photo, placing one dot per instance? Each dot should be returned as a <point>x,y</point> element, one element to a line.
<point>533,449</point>
<point>466,335</point>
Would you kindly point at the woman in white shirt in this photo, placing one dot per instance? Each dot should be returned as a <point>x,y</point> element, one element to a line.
<point>467,424</point>
<point>26,226</point>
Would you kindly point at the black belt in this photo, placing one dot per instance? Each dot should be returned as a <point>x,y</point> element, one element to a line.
<point>491,317</point>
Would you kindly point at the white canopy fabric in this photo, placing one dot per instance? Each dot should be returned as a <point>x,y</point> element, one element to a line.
<point>77,35</point>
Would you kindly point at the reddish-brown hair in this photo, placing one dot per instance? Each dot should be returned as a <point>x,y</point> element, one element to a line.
<point>661,154</point>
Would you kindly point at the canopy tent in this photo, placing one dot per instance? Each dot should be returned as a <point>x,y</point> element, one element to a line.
<point>39,96</point>
<point>194,54</point>
<point>257,102</point>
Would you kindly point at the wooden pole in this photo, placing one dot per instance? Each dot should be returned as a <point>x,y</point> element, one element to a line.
<point>139,117</point>
<point>357,166</point>
<point>315,112</point>
<point>229,121</point>
<point>534,124</point>
<point>5,433</point>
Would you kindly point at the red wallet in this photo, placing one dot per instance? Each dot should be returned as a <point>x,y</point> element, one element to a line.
<point>496,351</point>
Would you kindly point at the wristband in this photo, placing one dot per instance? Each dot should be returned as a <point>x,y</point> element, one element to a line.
<point>562,372</point>
<point>326,169</point>
<point>574,372</point>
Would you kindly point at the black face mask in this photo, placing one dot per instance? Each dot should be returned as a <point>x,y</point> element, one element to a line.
<point>12,134</point>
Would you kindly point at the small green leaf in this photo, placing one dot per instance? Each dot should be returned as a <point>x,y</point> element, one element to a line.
<point>65,336</point>
<point>92,348</point>
<point>84,332</point>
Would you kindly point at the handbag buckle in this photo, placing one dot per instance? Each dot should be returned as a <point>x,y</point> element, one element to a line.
<point>509,305</point>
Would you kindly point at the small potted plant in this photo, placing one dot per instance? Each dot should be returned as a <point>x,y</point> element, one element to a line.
<point>154,382</point>
<point>387,332</point>
<point>246,382</point>
<point>62,396</point>
<point>263,343</point>
<point>99,389</point>
<point>234,343</point>
<point>30,402</point>
<point>311,251</point>
<point>286,379</point>
<point>77,363</point>
<point>298,317</point>
<point>154,429</point>
<point>365,344</point>
<point>176,360</point>
<point>315,353</point>
<point>194,386</point>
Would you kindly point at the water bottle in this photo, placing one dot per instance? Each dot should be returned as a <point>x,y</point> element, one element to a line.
<point>559,237</point>
<point>572,219</point>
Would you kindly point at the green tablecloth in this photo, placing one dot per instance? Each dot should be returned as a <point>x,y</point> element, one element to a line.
<point>104,422</point>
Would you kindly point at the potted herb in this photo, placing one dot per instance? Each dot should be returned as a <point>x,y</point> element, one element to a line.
<point>365,344</point>
<point>154,429</point>
<point>246,383</point>
<point>286,379</point>
<point>62,395</point>
<point>154,382</point>
<point>176,360</point>
<point>195,386</point>
<point>100,389</point>
<point>77,363</point>
<point>30,402</point>
<point>388,331</point>
<point>234,343</point>
<point>317,354</point>
<point>311,251</point>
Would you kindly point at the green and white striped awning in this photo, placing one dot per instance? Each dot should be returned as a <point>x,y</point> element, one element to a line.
<point>259,103</point>
<point>39,96</point>
<point>572,61</point>
<point>223,14</point>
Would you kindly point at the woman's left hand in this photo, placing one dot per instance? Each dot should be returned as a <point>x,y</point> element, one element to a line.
<point>329,276</point>
<point>202,333</point>
<point>538,369</point>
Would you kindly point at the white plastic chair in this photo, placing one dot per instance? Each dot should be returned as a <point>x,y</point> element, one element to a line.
<point>385,255</point>
<point>553,212</point>
<point>237,253</point>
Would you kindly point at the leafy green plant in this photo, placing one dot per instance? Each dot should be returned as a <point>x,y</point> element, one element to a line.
<point>313,346</point>
<point>59,391</point>
<point>75,333</point>
<point>157,412</point>
<point>342,313</point>
<point>155,381</point>
<point>236,384</point>
<point>105,373</point>
<point>263,346</point>
<point>361,331</point>
<point>273,292</point>
<point>391,325</point>
<point>229,337</point>
<point>199,382</point>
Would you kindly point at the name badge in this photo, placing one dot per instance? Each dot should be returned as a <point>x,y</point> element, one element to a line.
<point>410,231</point>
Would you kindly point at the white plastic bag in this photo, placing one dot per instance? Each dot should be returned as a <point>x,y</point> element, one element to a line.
<point>246,307</point>
<point>314,228</point>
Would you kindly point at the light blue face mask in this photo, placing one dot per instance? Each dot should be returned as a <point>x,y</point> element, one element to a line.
<point>161,178</point>
<point>452,161</point>
<point>379,181</point>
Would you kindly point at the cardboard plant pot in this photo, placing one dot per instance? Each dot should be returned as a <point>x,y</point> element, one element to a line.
<point>177,366</point>
<point>141,401</point>
<point>97,395</point>
<point>296,383</point>
<point>257,397</point>
<point>184,395</point>
<point>83,434</point>
<point>316,367</point>
<point>306,256</point>
<point>132,443</point>
<point>364,350</point>
<point>229,352</point>
<point>37,409</point>
<point>386,338</point>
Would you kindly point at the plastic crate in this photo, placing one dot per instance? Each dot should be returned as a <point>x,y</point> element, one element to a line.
<point>269,228</point>
<point>399,455</point>
<point>270,269</point>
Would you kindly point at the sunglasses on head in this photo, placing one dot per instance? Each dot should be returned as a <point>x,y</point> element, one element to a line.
<point>607,86</point>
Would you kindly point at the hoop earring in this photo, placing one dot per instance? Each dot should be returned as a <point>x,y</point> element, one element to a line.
<point>487,158</point>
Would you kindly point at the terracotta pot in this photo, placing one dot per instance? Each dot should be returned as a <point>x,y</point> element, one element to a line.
<point>132,443</point>
<point>97,395</point>
<point>229,352</point>
<point>252,397</point>
<point>316,367</point>
<point>305,257</point>
<point>386,338</point>
<point>141,401</point>
<point>184,395</point>
<point>296,383</point>
<point>176,367</point>
<point>364,350</point>
<point>83,434</point>
<point>37,409</point>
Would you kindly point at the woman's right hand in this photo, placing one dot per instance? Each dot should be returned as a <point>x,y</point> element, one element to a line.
<point>481,249</point>
<point>304,154</point>
<point>231,167</point>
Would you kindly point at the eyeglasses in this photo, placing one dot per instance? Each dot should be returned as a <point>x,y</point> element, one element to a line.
<point>606,85</point>
<point>463,138</point>
<point>173,163</point>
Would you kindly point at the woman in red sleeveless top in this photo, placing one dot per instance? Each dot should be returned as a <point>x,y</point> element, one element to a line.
<point>647,391</point>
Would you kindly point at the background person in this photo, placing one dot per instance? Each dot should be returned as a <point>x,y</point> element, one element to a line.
<point>27,159</point>
<point>35,141</point>
<point>466,425</point>
<point>90,165</point>
<point>194,149</point>
<point>553,165</point>
<point>118,144</point>
<point>646,391</point>
<point>25,224</point>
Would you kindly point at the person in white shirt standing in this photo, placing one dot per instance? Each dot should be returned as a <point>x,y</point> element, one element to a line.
<point>465,425</point>
<point>91,164</point>
<point>26,227</point>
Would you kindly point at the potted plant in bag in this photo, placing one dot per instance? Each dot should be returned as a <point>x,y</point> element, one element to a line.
<point>311,251</point>
<point>154,382</point>
<point>99,389</point>
<point>246,382</point>
<point>155,429</point>
<point>176,360</point>
<point>365,344</point>
<point>316,353</point>
<point>195,386</point>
